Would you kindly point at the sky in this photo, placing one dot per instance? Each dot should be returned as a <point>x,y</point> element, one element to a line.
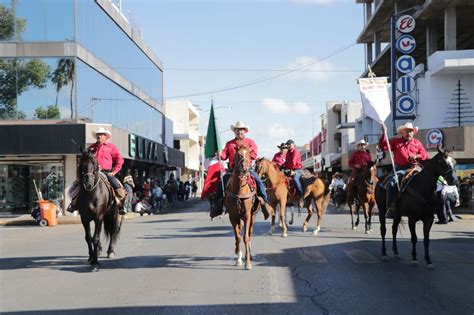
<point>207,46</point>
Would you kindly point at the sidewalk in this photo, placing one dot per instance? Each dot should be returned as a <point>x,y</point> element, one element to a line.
<point>26,219</point>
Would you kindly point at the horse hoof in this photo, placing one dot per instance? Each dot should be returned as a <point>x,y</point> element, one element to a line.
<point>290,222</point>
<point>305,229</point>
<point>238,263</point>
<point>367,232</point>
<point>385,258</point>
<point>284,234</point>
<point>280,224</point>
<point>111,255</point>
<point>354,228</point>
<point>414,263</point>
<point>248,266</point>
<point>430,266</point>
<point>315,233</point>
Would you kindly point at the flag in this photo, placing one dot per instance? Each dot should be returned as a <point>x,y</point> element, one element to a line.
<point>375,98</point>
<point>213,142</point>
<point>211,184</point>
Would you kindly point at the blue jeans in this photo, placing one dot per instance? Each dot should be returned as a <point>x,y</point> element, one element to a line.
<point>296,180</point>
<point>261,189</point>
<point>392,189</point>
<point>113,181</point>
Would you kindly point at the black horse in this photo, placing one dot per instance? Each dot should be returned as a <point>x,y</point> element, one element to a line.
<point>96,203</point>
<point>417,203</point>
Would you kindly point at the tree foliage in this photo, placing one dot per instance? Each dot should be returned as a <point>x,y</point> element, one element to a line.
<point>10,28</point>
<point>50,112</point>
<point>63,75</point>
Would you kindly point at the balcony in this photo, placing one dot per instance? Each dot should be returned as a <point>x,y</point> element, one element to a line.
<point>349,125</point>
<point>451,62</point>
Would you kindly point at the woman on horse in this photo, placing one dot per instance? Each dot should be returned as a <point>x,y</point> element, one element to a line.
<point>280,157</point>
<point>406,152</point>
<point>110,162</point>
<point>240,130</point>
<point>336,181</point>
<point>294,166</point>
<point>357,162</point>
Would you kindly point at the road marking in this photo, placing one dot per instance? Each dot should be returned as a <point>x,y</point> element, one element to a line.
<point>312,255</point>
<point>361,256</point>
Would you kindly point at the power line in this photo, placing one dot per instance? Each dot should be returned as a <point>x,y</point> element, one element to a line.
<point>262,70</point>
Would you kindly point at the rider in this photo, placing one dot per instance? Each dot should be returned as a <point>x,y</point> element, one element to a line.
<point>293,166</point>
<point>336,182</point>
<point>110,162</point>
<point>230,149</point>
<point>280,157</point>
<point>406,152</point>
<point>357,162</point>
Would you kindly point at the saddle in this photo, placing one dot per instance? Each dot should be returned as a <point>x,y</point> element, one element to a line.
<point>403,180</point>
<point>306,179</point>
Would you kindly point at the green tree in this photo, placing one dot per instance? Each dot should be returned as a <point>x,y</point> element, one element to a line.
<point>63,75</point>
<point>50,112</point>
<point>10,28</point>
<point>17,76</point>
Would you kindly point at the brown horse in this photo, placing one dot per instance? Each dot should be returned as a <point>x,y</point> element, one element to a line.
<point>316,192</point>
<point>363,195</point>
<point>239,200</point>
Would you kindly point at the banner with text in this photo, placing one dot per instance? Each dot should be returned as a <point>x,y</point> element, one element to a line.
<point>375,98</point>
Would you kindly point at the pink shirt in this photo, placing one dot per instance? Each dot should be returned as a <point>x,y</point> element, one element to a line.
<point>232,146</point>
<point>279,159</point>
<point>108,156</point>
<point>402,149</point>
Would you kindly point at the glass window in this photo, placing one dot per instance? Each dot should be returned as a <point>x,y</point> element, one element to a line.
<point>38,20</point>
<point>103,101</point>
<point>39,88</point>
<point>116,49</point>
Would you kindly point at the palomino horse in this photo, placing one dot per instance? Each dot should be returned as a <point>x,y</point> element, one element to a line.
<point>96,203</point>
<point>417,202</point>
<point>317,191</point>
<point>239,201</point>
<point>363,195</point>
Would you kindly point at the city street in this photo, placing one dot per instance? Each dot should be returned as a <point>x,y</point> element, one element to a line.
<point>182,263</point>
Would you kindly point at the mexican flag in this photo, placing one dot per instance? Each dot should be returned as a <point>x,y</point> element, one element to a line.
<point>213,145</point>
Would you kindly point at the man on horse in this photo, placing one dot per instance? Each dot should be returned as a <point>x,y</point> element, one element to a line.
<point>294,167</point>
<point>357,162</point>
<point>407,151</point>
<point>110,162</point>
<point>280,157</point>
<point>230,150</point>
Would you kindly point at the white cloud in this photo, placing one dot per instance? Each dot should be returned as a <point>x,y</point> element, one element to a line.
<point>278,131</point>
<point>319,71</point>
<point>279,106</point>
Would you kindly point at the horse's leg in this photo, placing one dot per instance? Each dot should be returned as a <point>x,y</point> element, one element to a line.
<point>414,238</point>
<point>308,217</point>
<point>396,222</point>
<point>357,205</point>
<point>96,242</point>
<point>87,229</point>
<point>383,231</point>
<point>254,216</point>
<point>284,232</point>
<point>112,225</point>
<point>427,223</point>
<point>320,212</point>
<point>236,225</point>
<point>351,209</point>
<point>248,227</point>
<point>371,210</point>
<point>292,215</point>
<point>365,207</point>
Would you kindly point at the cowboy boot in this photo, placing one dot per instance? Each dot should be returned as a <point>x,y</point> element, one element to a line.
<point>72,206</point>
<point>217,206</point>
<point>120,195</point>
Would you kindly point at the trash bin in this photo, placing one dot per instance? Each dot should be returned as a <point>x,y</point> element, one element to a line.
<point>48,213</point>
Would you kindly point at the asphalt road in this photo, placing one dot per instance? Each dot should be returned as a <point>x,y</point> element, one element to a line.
<point>182,263</point>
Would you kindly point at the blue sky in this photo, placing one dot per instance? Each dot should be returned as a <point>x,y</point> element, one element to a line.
<point>257,35</point>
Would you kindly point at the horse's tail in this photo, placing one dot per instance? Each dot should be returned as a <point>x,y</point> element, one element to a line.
<point>112,225</point>
<point>326,187</point>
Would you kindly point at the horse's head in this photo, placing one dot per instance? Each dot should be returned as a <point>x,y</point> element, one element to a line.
<point>261,166</point>
<point>88,169</point>
<point>443,165</point>
<point>242,160</point>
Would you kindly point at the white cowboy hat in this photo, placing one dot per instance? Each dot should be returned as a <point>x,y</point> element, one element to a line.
<point>107,133</point>
<point>239,125</point>
<point>362,141</point>
<point>407,125</point>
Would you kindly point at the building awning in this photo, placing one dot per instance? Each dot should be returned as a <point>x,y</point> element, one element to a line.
<point>452,62</point>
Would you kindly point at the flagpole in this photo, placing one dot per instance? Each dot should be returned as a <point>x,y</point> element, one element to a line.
<point>391,155</point>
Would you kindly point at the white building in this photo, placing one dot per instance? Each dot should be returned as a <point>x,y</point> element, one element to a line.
<point>185,117</point>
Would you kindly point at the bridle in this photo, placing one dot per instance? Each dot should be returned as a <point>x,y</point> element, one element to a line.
<point>96,180</point>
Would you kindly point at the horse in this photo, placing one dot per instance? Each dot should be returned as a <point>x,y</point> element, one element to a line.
<point>241,205</point>
<point>417,202</point>
<point>316,192</point>
<point>339,197</point>
<point>363,195</point>
<point>95,202</point>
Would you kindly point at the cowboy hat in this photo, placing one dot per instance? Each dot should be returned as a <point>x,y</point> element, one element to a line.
<point>101,130</point>
<point>282,146</point>
<point>407,125</point>
<point>362,142</point>
<point>239,125</point>
<point>337,175</point>
<point>290,142</point>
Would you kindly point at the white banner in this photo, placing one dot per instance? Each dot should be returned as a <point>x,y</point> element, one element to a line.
<point>375,99</point>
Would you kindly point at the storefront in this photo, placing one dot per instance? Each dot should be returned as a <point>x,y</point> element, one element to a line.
<point>43,154</point>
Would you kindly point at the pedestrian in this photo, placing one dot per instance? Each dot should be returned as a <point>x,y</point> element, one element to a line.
<point>172,191</point>
<point>187,189</point>
<point>194,188</point>
<point>142,207</point>
<point>129,186</point>
<point>157,195</point>
<point>451,199</point>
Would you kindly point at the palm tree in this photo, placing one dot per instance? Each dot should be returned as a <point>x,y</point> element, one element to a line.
<point>63,75</point>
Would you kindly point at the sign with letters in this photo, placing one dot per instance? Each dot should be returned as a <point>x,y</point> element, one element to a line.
<point>406,24</point>
<point>406,44</point>
<point>405,64</point>
<point>406,84</point>
<point>144,149</point>
<point>434,137</point>
<point>406,104</point>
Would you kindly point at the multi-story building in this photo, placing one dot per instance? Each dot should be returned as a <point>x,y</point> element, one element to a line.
<point>185,117</point>
<point>80,64</point>
<point>443,51</point>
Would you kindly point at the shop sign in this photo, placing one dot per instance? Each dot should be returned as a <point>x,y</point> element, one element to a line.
<point>132,145</point>
<point>406,104</point>
<point>405,64</point>
<point>142,148</point>
<point>406,44</point>
<point>434,137</point>
<point>406,23</point>
<point>406,84</point>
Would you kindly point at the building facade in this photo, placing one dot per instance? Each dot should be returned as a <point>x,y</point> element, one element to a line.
<point>61,67</point>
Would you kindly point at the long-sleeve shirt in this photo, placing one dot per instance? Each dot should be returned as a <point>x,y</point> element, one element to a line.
<point>337,182</point>
<point>293,160</point>
<point>453,189</point>
<point>359,157</point>
<point>108,156</point>
<point>232,146</point>
<point>279,159</point>
<point>403,149</point>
